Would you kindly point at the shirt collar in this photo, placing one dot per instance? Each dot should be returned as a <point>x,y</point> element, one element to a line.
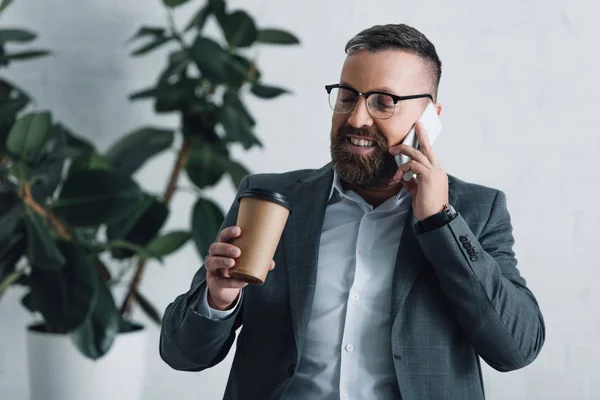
<point>337,188</point>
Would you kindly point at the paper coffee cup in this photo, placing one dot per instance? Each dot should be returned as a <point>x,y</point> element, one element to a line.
<point>262,216</point>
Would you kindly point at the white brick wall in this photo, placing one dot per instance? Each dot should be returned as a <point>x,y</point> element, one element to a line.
<point>519,88</point>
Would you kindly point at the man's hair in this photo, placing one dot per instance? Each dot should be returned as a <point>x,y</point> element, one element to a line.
<point>400,37</point>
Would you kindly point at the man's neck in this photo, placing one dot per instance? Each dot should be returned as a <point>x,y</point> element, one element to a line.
<point>374,196</point>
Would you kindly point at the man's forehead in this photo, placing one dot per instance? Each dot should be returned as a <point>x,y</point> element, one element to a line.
<point>386,71</point>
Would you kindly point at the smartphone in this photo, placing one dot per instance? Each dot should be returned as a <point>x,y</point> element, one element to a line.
<point>433,126</point>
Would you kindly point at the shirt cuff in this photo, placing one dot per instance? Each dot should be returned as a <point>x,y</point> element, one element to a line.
<point>206,311</point>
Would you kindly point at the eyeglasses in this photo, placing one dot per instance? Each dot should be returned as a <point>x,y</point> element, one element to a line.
<point>381,105</point>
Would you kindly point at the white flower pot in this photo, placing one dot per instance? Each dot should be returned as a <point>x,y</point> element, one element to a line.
<point>58,371</point>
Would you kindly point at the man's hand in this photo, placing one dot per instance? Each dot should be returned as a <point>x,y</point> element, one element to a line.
<point>223,290</point>
<point>429,190</point>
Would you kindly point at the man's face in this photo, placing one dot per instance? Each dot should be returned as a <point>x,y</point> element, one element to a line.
<point>394,72</point>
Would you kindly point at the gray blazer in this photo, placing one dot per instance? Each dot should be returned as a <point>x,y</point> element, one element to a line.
<point>457,296</point>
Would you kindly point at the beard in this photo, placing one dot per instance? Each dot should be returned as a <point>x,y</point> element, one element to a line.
<point>370,171</point>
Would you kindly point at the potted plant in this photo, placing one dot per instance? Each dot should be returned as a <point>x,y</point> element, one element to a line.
<point>75,222</point>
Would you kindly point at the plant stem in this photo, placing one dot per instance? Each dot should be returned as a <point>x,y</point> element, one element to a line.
<point>170,191</point>
<point>10,279</point>
<point>31,203</point>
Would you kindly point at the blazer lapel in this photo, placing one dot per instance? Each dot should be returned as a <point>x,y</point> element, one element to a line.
<point>409,259</point>
<point>302,238</point>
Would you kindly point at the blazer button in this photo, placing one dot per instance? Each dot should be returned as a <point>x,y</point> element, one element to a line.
<point>471,251</point>
<point>463,238</point>
<point>474,258</point>
<point>292,369</point>
<point>467,246</point>
<point>397,356</point>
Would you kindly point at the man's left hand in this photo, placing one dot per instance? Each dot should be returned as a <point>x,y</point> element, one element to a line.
<point>429,190</point>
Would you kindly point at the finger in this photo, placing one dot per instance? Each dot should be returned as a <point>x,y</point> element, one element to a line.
<point>410,186</point>
<point>230,233</point>
<point>412,153</point>
<point>425,144</point>
<point>224,250</point>
<point>414,166</point>
<point>272,265</point>
<point>215,263</point>
<point>229,283</point>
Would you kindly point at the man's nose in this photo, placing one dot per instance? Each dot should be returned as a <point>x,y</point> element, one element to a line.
<point>360,116</point>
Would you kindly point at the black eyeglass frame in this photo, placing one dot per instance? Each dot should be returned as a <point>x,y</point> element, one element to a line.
<point>366,95</point>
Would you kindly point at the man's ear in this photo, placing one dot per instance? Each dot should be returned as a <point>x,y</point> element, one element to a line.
<point>438,108</point>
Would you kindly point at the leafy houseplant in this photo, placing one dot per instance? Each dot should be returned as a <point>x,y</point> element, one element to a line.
<point>68,211</point>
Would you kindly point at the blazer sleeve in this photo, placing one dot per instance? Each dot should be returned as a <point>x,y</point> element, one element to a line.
<point>188,340</point>
<point>490,299</point>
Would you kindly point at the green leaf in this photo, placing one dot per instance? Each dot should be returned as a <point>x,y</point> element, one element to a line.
<point>94,197</point>
<point>237,122</point>
<point>210,58</point>
<point>148,47</point>
<point>24,55</point>
<point>16,35</point>
<point>11,211</point>
<point>237,173</point>
<point>27,302</point>
<point>139,226</point>
<point>239,29</point>
<point>138,251</point>
<point>204,166</point>
<point>169,97</point>
<point>97,333</point>
<point>65,298</point>
<point>276,36</point>
<point>168,243</point>
<point>10,254</point>
<point>199,19</point>
<point>44,179</point>
<point>207,218</point>
<point>267,92</point>
<point>4,4</point>
<point>74,145</point>
<point>174,3</point>
<point>86,161</point>
<point>43,251</point>
<point>151,31</point>
<point>208,162</point>
<point>29,134</point>
<point>240,70</point>
<point>148,308</point>
<point>133,149</point>
<point>176,69</point>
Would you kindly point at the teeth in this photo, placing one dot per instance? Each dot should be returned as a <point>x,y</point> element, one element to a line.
<point>361,142</point>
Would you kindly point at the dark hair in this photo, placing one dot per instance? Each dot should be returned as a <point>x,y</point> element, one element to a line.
<point>399,37</point>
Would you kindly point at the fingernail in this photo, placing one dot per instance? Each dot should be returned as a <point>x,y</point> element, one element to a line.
<point>229,262</point>
<point>234,252</point>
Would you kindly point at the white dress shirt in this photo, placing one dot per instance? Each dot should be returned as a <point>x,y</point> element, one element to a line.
<point>347,351</point>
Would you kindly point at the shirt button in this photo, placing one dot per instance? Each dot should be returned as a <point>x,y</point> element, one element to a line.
<point>360,253</point>
<point>346,397</point>
<point>350,347</point>
<point>355,296</point>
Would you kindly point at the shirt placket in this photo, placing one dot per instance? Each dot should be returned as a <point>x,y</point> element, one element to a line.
<point>349,349</point>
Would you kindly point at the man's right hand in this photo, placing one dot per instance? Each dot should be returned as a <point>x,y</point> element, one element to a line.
<point>223,290</point>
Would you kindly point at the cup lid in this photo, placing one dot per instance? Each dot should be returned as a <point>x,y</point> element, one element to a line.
<point>266,194</point>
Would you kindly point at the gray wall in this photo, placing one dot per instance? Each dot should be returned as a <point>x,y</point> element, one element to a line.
<point>519,83</point>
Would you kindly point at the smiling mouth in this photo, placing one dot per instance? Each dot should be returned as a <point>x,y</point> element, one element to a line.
<point>360,142</point>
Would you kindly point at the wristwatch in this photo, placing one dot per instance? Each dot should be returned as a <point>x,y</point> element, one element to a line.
<point>436,221</point>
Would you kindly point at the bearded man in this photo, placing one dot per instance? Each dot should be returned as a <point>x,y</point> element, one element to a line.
<point>384,288</point>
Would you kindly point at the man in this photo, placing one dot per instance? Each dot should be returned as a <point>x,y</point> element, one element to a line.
<point>384,289</point>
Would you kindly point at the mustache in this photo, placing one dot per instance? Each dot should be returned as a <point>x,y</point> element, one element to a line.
<point>367,132</point>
